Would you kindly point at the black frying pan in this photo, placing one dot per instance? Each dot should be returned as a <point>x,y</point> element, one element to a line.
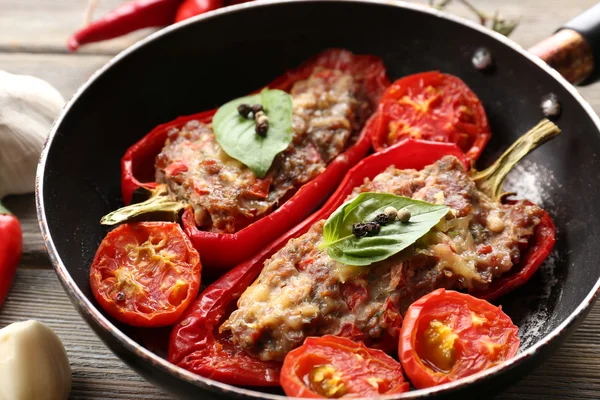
<point>204,62</point>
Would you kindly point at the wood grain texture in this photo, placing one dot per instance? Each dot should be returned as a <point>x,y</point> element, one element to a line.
<point>43,26</point>
<point>50,22</point>
<point>572,373</point>
<point>537,19</point>
<point>68,72</point>
<point>32,41</point>
<point>65,72</point>
<point>97,373</point>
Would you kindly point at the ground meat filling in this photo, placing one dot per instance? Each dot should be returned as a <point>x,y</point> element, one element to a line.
<point>329,109</point>
<point>302,291</point>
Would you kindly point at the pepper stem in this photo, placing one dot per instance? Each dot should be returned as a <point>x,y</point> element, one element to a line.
<point>158,207</point>
<point>491,179</point>
<point>4,210</point>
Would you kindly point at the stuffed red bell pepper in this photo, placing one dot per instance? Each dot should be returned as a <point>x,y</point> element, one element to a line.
<point>404,222</point>
<point>233,208</point>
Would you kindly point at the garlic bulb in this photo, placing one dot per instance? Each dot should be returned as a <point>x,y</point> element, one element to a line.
<point>28,106</point>
<point>33,363</point>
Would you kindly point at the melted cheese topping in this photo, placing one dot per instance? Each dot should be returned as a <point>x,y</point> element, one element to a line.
<point>458,264</point>
<point>226,196</point>
<point>302,292</point>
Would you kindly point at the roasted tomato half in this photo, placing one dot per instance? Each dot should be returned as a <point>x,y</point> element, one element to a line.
<point>431,106</point>
<point>447,335</point>
<point>146,273</point>
<point>332,367</point>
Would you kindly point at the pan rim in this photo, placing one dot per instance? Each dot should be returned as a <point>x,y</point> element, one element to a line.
<point>85,306</point>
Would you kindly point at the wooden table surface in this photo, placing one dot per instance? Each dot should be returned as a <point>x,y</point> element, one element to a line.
<point>32,41</point>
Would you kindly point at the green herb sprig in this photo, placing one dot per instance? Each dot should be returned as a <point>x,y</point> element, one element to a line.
<point>238,137</point>
<point>343,246</point>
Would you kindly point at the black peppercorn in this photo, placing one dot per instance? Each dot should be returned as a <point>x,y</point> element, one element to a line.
<point>381,219</point>
<point>244,110</point>
<point>120,296</point>
<point>256,108</point>
<point>362,229</point>
<point>359,230</point>
<point>372,228</point>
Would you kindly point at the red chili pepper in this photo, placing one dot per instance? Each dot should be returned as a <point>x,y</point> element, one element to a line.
<point>11,245</point>
<point>196,343</point>
<point>126,18</point>
<point>219,251</point>
<point>191,8</point>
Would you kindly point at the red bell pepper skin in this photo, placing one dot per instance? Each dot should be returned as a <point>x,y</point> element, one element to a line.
<point>191,8</point>
<point>11,246</point>
<point>196,343</point>
<point>221,252</point>
<point>540,247</point>
<point>137,165</point>
<point>124,19</point>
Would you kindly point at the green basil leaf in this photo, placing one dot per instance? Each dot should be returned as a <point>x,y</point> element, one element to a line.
<point>237,135</point>
<point>343,246</point>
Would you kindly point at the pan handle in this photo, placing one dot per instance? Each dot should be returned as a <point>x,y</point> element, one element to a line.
<point>574,50</point>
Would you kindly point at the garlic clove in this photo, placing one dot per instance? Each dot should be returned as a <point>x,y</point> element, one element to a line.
<point>33,363</point>
<point>28,107</point>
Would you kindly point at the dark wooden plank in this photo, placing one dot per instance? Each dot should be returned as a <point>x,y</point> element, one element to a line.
<point>45,19</point>
<point>66,73</point>
<point>572,373</point>
<point>41,26</point>
<point>537,19</point>
<point>97,373</point>
<point>49,23</point>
